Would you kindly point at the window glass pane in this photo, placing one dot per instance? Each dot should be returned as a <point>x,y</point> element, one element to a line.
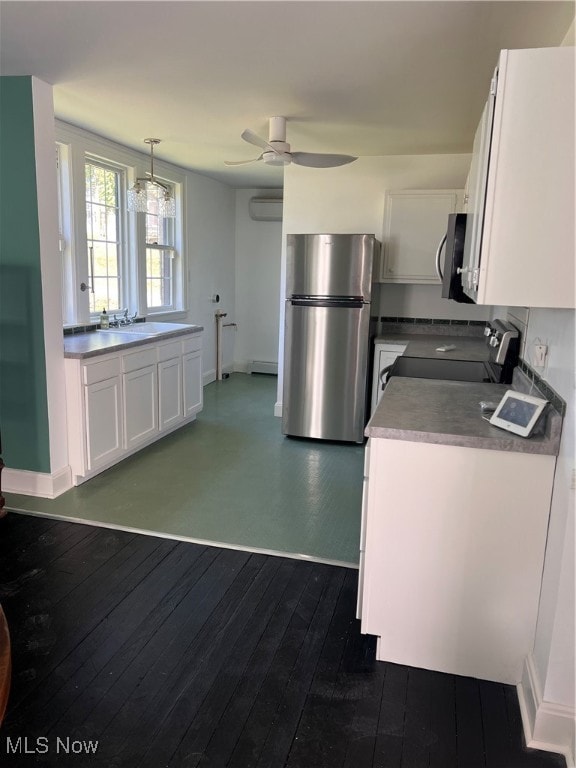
<point>159,277</point>
<point>104,237</point>
<point>158,229</point>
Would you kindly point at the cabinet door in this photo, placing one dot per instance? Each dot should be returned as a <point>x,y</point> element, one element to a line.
<point>477,180</point>
<point>384,355</point>
<point>363,523</point>
<point>140,406</point>
<point>414,223</point>
<point>451,578</point>
<point>102,413</point>
<point>192,383</point>
<point>170,398</point>
<point>527,244</point>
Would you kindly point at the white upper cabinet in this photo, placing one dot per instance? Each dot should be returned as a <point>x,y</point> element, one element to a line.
<point>520,233</point>
<point>414,223</point>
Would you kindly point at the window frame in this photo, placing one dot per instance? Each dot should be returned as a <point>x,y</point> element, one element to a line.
<point>168,249</point>
<point>76,145</point>
<point>123,243</point>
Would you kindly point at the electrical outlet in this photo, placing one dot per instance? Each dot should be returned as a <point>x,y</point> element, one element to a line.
<point>539,355</point>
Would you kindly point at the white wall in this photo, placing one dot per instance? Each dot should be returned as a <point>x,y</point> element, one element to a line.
<point>51,283</point>
<point>258,252</point>
<point>554,644</point>
<point>350,199</point>
<point>210,249</point>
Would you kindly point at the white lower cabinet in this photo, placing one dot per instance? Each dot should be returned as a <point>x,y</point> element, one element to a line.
<point>119,402</point>
<point>140,400</point>
<point>170,401</point>
<point>193,391</point>
<point>454,542</point>
<point>103,419</point>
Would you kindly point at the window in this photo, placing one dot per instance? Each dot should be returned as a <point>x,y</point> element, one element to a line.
<point>160,255</point>
<point>112,258</point>
<point>103,230</point>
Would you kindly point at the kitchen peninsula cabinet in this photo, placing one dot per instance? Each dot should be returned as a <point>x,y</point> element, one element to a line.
<point>120,401</point>
<point>455,515</point>
<point>414,223</point>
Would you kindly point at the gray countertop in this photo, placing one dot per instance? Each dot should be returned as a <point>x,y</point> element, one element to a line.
<point>84,345</point>
<point>448,412</point>
<point>423,345</point>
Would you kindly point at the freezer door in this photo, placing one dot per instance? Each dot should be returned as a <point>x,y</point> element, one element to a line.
<point>325,372</point>
<point>330,265</point>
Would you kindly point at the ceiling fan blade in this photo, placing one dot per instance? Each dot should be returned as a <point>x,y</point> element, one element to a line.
<point>281,149</point>
<point>242,162</point>
<point>253,138</point>
<point>315,160</point>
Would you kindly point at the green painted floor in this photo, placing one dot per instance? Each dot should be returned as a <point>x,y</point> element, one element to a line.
<point>230,478</point>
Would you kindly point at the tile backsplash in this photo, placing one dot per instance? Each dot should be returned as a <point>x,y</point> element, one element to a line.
<point>434,326</point>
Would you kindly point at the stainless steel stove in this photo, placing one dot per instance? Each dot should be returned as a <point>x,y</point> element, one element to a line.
<point>503,342</point>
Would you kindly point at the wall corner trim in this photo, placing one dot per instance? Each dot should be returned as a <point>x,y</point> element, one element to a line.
<point>547,726</point>
<point>42,484</point>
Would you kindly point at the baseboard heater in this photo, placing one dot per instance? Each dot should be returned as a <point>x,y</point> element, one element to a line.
<point>261,366</point>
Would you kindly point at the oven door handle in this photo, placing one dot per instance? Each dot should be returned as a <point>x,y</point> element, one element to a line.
<point>384,372</point>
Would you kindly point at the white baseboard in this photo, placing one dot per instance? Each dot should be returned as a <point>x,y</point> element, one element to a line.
<point>208,376</point>
<point>47,486</point>
<point>547,726</point>
<point>278,409</point>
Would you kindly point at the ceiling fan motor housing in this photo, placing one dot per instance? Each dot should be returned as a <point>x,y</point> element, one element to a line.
<point>271,158</point>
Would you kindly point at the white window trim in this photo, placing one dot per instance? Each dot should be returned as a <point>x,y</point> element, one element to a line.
<point>125,257</point>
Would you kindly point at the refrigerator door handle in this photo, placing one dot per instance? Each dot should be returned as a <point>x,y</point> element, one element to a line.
<point>344,303</point>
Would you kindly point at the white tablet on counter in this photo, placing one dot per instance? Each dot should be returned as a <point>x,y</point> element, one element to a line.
<point>518,413</point>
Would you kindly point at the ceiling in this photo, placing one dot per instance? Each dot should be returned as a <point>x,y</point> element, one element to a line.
<point>361,78</point>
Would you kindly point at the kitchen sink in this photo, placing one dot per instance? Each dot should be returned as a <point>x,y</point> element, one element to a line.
<point>146,329</point>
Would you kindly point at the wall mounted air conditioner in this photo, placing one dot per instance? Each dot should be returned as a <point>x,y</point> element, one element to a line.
<point>265,208</point>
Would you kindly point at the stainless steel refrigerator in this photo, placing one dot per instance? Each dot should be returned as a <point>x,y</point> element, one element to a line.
<point>327,335</point>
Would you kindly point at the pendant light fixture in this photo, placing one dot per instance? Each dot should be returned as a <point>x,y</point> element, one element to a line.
<point>148,195</point>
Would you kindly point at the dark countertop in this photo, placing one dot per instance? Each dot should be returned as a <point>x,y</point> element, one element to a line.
<point>424,345</point>
<point>94,343</point>
<point>448,413</point>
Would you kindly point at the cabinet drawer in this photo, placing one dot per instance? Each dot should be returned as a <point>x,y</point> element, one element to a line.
<point>191,343</point>
<point>104,369</point>
<point>169,351</point>
<point>140,359</point>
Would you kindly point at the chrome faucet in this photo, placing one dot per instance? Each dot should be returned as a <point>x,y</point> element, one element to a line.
<point>124,320</point>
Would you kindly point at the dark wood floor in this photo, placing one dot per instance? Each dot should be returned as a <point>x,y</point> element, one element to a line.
<point>173,654</point>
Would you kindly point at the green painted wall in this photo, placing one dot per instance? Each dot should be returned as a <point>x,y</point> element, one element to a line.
<point>23,400</point>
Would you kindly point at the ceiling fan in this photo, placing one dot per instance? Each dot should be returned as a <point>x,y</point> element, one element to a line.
<point>278,152</point>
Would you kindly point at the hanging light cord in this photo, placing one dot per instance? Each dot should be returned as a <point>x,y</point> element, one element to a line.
<point>152,178</point>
